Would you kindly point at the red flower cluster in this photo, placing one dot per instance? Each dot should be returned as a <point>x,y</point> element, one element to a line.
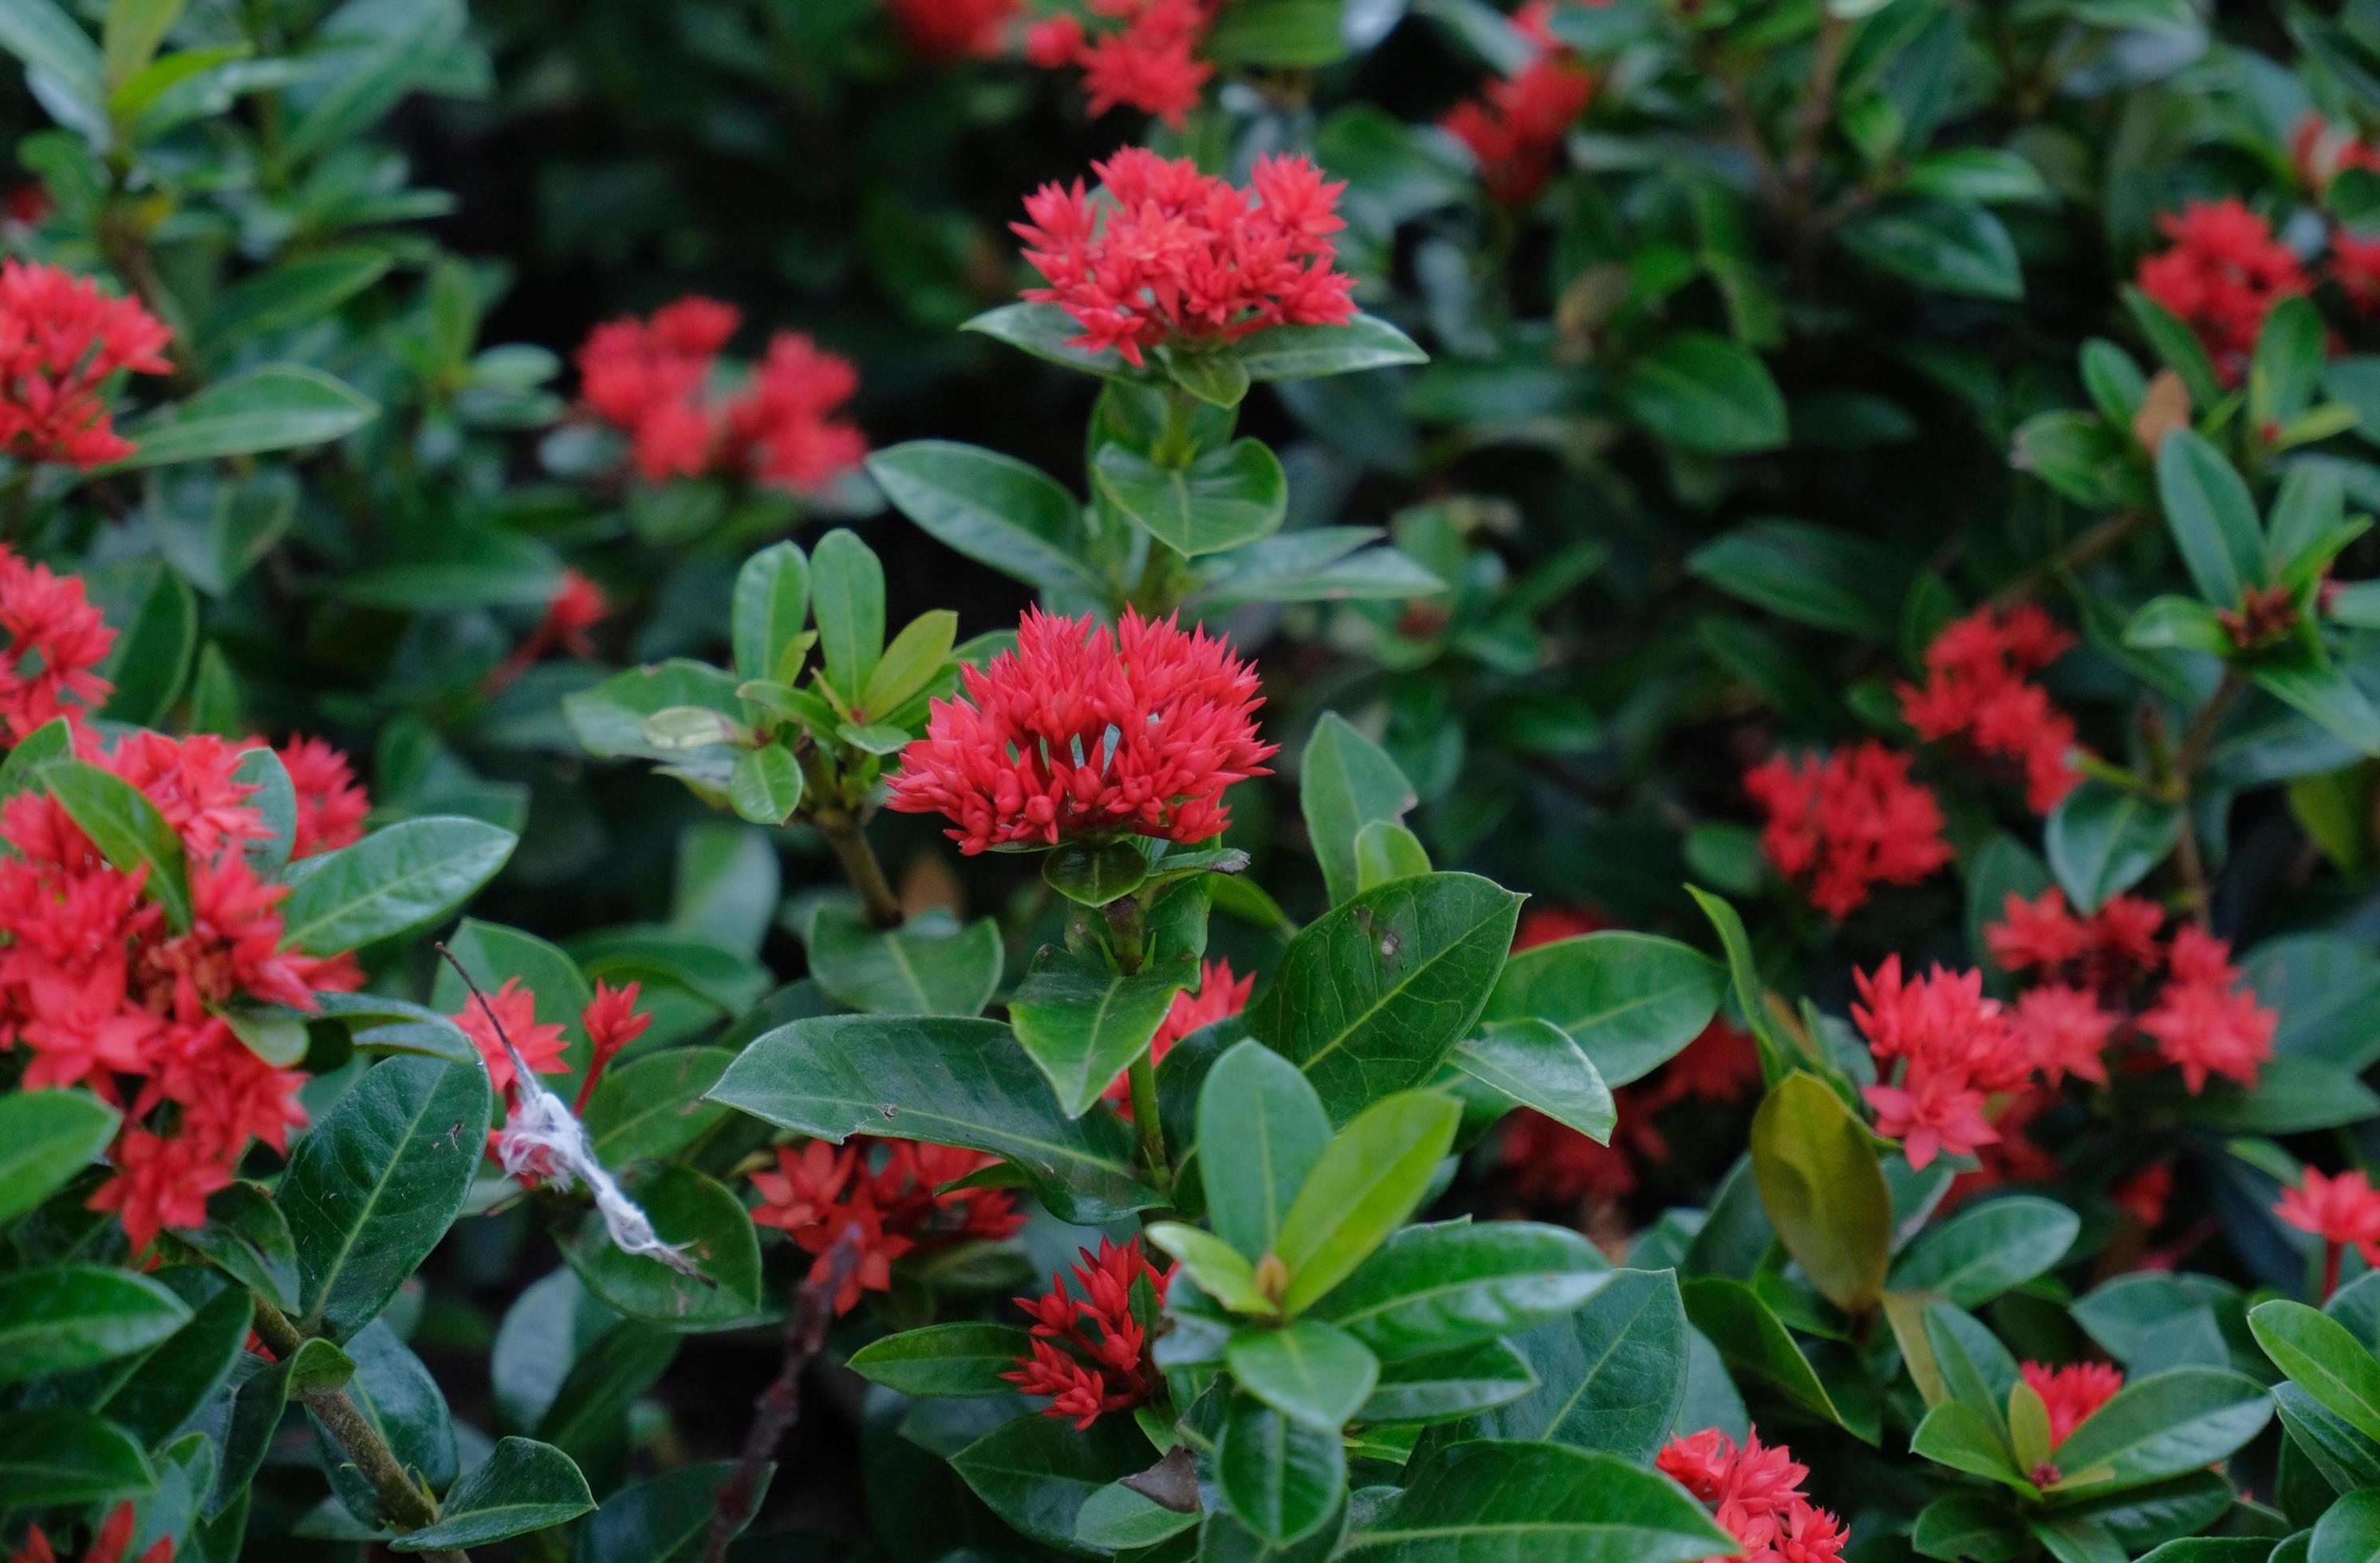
<point>105,993</point>
<point>1975,687</point>
<point>1755,1494</point>
<point>108,1546</point>
<point>1084,731</point>
<point>578,606</point>
<point>651,380</point>
<point>887,1190</point>
<point>330,803</point>
<point>951,29</point>
<point>1955,1048</point>
<point>510,1014</point>
<point>2343,1211</point>
<point>60,338</point>
<point>1846,821</point>
<point>1179,256</point>
<point>56,638</point>
<point>2094,977</point>
<point>1148,61</point>
<point>2223,275</point>
<point>1090,1354</point>
<point>1516,132</point>
<point>1219,996</point>
<point>2072,1392</point>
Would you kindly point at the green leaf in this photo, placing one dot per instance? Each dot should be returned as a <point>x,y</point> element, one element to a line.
<point>1955,1434</point>
<point>128,829</point>
<point>299,290</point>
<point>666,1518</point>
<point>1951,249</point>
<point>1082,1024</point>
<point>652,1108</point>
<point>1480,1500</point>
<point>45,1138</point>
<point>2182,1419</point>
<point>65,1317</point>
<point>709,1223</point>
<point>1816,575</point>
<point>1706,393</point>
<point>1310,1372</point>
<point>1536,1064</point>
<point>398,880</point>
<point>1218,1268</point>
<point>2345,1458</point>
<point>770,606</point>
<point>847,600</point>
<point>1048,331</point>
<point>63,1457</point>
<point>1117,1518</point>
<point>910,663</point>
<point>1371,997</point>
<point>949,1359</point>
<point>158,614</point>
<point>1345,781</point>
<point>523,1485</point>
<point>1037,1472</point>
<point>131,33</point>
<point>42,34</point>
<point>995,509</point>
<point>1217,379</point>
<point>1386,852</point>
<point>1969,1528</point>
<point>1752,1340</point>
<point>1613,1376</point>
<point>379,68</point>
<point>1281,1479</point>
<point>2321,690</point>
<point>909,970</point>
<point>176,1379</point>
<point>1433,1288</point>
<point>2288,364</point>
<point>1095,873</point>
<point>1987,1249</point>
<point>1257,1103</point>
<point>1224,499</point>
<point>1631,1002</point>
<point>276,408</point>
<point>944,1080</point>
<point>1460,1382</point>
<point>1368,1182</point>
<point>2103,840</point>
<point>2212,518</point>
<point>1312,352</point>
<point>2323,1358</point>
<point>1279,35</point>
<point>1975,173</point>
<point>2349,1532</point>
<point>247,1238</point>
<point>766,785</point>
<point>1824,1190</point>
<point>2182,623</point>
<point>376,1183</point>
<point>2178,345</point>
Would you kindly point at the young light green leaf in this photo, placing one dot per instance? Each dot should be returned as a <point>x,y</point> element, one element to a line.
<point>1220,1270</point>
<point>771,605</point>
<point>1344,783</point>
<point>1367,1183</point>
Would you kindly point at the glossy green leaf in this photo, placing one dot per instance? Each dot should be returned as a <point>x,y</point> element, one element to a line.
<point>1431,1288</point>
<point>522,1486</point>
<point>2182,1419</point>
<point>1371,997</point>
<point>1224,499</point>
<point>1449,1385</point>
<point>45,1138</point>
<point>1946,247</point>
<point>61,1457</point>
<point>1363,1188</point>
<point>1705,393</point>
<point>2322,1357</point>
<point>911,661</point>
<point>1344,783</point>
<point>247,1238</point>
<point>2212,516</point>
<point>1219,1270</point>
<point>1752,1340</point>
<point>1257,1103</point>
<point>1037,1472</point>
<point>847,601</point>
<point>1082,1024</point>
<point>945,1080</point>
<point>1613,1376</point>
<point>666,1518</point>
<point>766,785</point>
<point>128,829</point>
<point>60,1317</point>
<point>1312,352</point>
<point>770,606</point>
<point>709,1223</point>
<point>1539,1066</point>
<point>2103,840</point>
<point>948,1359</point>
<point>1475,1501</point>
<point>1282,1479</point>
<point>918,969</point>
<point>1310,1372</point>
<point>1631,1002</point>
<point>1955,1434</point>
<point>1813,575</point>
<point>1986,1249</point>
<point>1096,873</point>
<point>652,1108</point>
<point>374,1185</point>
<point>276,408</point>
<point>396,880</point>
<point>2349,1532</point>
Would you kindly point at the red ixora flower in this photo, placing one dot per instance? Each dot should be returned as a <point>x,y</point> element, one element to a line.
<point>60,338</point>
<point>330,803</point>
<point>1085,732</point>
<point>1955,1048</point>
<point>1975,687</point>
<point>891,1191</point>
<point>104,992</point>
<point>949,30</point>
<point>115,1537</point>
<point>2205,1021</point>
<point>1147,61</point>
<point>652,379</point>
<point>510,1013</point>
<point>1847,821</point>
<point>2071,1392</point>
<point>1090,1353</point>
<point>1177,256</point>
<point>57,636</point>
<point>578,605</point>
<point>1516,127</point>
<point>2222,276</point>
<point>1755,1493</point>
<point>2344,1211</point>
<point>1219,996</point>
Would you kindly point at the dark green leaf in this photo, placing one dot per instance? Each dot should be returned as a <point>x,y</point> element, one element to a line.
<point>68,1457</point>
<point>2212,516</point>
<point>1432,1289</point>
<point>1479,1500</point>
<point>2103,840</point>
<point>1224,499</point>
<point>128,829</point>
<point>522,1486</point>
<point>1611,1377</point>
<point>45,1138</point>
<point>950,1359</point>
<point>1753,1342</point>
<point>61,1317</point>
<point>396,880</point>
<point>276,407</point>
<point>1283,1480</point>
<point>1815,576</point>
<point>1630,1000</point>
<point>708,1222</point>
<point>2182,1419</point>
<point>1037,1473</point>
<point>911,970</point>
<point>247,1239</point>
<point>1082,1024</point>
<point>1452,1384</point>
<point>664,1519</point>
<point>1538,1065</point>
<point>1345,781</point>
<point>772,604</point>
<point>1951,249</point>
<point>1706,393</point>
<point>1311,352</point>
<point>1987,1249</point>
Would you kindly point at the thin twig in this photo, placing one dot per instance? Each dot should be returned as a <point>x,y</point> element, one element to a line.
<point>848,837</point>
<point>780,1403</point>
<point>406,1505</point>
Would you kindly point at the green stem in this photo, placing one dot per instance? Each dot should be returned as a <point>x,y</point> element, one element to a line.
<point>822,793</point>
<point>1142,1077</point>
<point>1177,442</point>
<point>406,1505</point>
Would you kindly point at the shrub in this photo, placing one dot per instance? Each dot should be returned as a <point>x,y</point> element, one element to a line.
<point>1658,846</point>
